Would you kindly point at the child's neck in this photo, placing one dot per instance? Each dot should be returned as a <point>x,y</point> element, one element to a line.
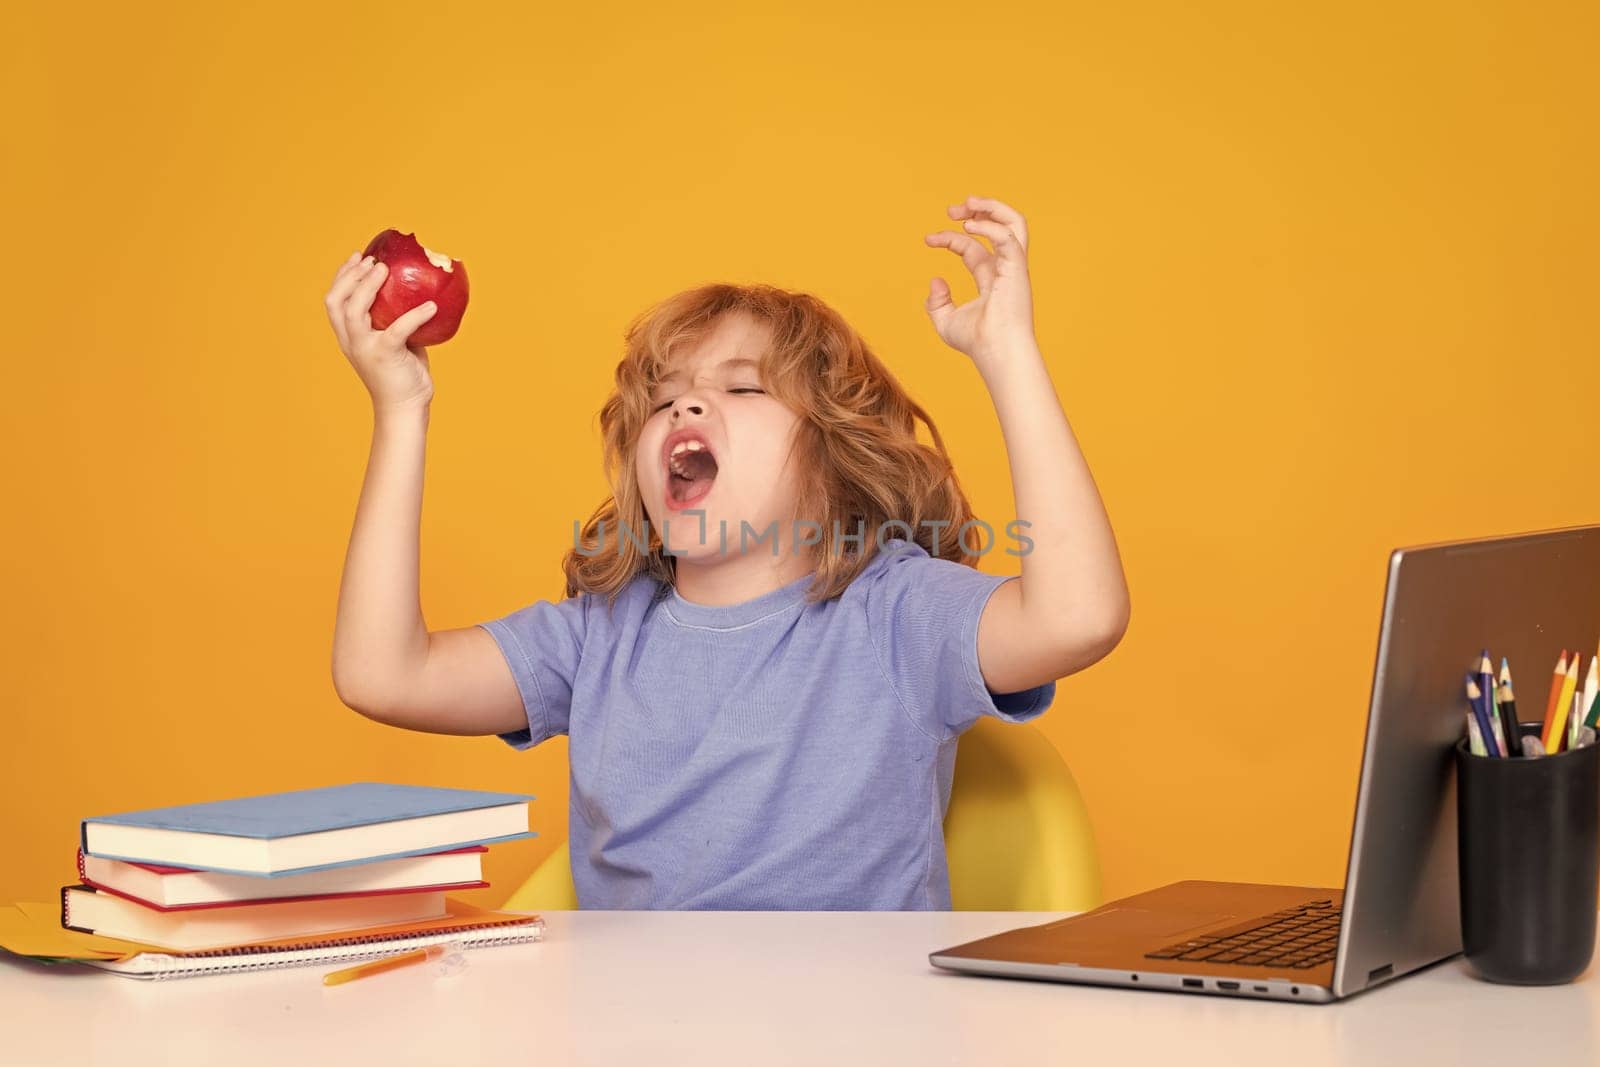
<point>734,579</point>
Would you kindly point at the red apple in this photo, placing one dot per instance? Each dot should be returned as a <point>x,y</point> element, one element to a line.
<point>417,275</point>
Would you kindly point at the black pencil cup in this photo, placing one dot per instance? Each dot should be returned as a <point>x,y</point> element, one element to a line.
<point>1529,848</point>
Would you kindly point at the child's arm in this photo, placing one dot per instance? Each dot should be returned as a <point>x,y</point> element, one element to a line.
<point>1071,606</point>
<point>386,665</point>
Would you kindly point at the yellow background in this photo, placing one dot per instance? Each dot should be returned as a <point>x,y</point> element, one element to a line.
<point>1312,282</point>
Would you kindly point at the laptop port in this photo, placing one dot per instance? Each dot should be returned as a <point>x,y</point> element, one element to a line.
<point>1259,988</point>
<point>1227,985</point>
<point>1194,983</point>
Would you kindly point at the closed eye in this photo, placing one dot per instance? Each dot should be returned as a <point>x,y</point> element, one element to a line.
<point>740,389</point>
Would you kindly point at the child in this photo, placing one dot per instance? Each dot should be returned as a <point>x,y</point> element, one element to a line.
<point>774,632</point>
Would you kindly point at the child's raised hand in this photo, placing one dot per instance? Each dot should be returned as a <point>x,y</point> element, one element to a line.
<point>1001,315</point>
<point>395,373</point>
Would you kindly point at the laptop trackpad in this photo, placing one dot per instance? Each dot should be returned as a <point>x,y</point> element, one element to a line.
<point>1121,924</point>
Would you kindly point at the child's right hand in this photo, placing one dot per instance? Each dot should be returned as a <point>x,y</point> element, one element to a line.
<point>394,372</point>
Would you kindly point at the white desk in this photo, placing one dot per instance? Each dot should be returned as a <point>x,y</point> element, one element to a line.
<point>651,989</point>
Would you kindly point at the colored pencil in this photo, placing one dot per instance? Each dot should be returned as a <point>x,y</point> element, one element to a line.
<point>1593,717</point>
<point>1504,736</point>
<point>1574,721</point>
<point>1499,731</point>
<point>1480,711</point>
<point>1558,726</point>
<point>1474,736</point>
<point>1591,690</point>
<point>1508,707</point>
<point>1487,688</point>
<point>1556,683</point>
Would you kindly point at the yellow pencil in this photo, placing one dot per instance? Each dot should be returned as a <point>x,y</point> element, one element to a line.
<point>388,963</point>
<point>1558,727</point>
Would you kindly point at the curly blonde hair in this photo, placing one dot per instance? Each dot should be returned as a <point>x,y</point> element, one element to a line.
<point>855,439</point>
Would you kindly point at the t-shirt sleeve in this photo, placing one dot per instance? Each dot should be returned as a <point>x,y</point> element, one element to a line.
<point>924,613</point>
<point>542,644</point>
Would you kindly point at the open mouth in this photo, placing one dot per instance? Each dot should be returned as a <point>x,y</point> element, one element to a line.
<point>690,471</point>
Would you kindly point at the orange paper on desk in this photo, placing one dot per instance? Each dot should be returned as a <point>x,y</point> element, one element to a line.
<point>34,929</point>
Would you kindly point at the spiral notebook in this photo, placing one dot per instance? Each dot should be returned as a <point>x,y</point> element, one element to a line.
<point>31,930</point>
<point>159,965</point>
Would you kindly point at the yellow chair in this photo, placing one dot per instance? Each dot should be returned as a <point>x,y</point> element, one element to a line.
<point>1017,835</point>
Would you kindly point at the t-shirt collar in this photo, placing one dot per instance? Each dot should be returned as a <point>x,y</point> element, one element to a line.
<point>728,616</point>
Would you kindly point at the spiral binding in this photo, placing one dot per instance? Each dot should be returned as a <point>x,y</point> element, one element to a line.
<point>257,958</point>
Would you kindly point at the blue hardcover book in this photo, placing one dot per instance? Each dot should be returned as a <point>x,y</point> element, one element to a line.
<point>302,830</point>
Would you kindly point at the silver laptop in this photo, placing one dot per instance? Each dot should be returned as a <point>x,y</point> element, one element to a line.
<point>1525,597</point>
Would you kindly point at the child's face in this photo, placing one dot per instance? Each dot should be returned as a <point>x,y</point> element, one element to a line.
<point>747,434</point>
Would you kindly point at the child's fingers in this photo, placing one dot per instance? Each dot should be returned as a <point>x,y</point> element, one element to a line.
<point>358,306</point>
<point>977,258</point>
<point>348,278</point>
<point>336,320</point>
<point>400,330</point>
<point>1007,245</point>
<point>980,207</point>
<point>346,267</point>
<point>339,293</point>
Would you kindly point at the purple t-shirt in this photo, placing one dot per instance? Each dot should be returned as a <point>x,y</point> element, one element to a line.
<point>767,755</point>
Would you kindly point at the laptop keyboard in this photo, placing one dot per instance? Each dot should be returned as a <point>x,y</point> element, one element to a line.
<point>1298,937</point>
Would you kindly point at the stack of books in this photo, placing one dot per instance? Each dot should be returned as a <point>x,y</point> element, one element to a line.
<point>281,866</point>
